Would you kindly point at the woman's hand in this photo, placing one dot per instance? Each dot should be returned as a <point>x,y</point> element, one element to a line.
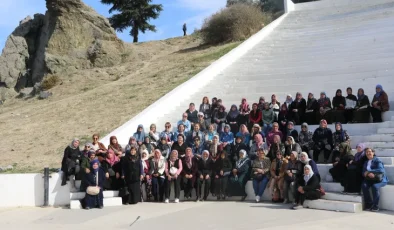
<point>107,175</point>
<point>221,172</point>
<point>216,176</point>
<point>206,177</point>
<point>117,175</point>
<point>169,177</point>
<point>371,175</point>
<point>201,177</point>
<point>142,177</point>
<point>87,170</point>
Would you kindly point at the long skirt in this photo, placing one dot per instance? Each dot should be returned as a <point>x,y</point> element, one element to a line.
<point>338,116</point>
<point>353,180</point>
<point>361,116</point>
<point>236,185</point>
<point>278,184</point>
<point>134,193</point>
<point>94,201</point>
<point>338,173</point>
<point>308,195</point>
<point>327,116</point>
<point>310,118</point>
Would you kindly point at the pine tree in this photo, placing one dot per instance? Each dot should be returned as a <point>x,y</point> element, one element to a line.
<point>133,13</point>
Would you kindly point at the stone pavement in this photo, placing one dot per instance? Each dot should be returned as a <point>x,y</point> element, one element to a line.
<point>192,216</point>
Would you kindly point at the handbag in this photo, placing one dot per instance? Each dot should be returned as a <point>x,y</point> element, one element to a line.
<point>173,171</point>
<point>376,179</point>
<point>94,190</point>
<point>259,177</point>
<point>322,191</point>
<point>124,191</point>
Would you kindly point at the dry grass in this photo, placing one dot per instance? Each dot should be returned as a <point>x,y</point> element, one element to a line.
<point>35,132</point>
<point>50,81</point>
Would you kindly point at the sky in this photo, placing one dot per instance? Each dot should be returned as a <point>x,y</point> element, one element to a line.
<point>169,24</point>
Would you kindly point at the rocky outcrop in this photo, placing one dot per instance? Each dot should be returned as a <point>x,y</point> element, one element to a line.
<point>70,36</point>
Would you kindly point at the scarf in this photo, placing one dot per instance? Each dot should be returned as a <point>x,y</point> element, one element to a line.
<point>289,101</point>
<point>111,157</point>
<point>306,161</point>
<point>189,162</point>
<point>340,132</point>
<point>140,135</point>
<point>310,102</point>
<point>244,105</point>
<point>242,161</point>
<point>259,141</point>
<point>214,149</point>
<point>233,113</point>
<point>308,176</point>
<point>360,96</point>
<point>378,94</point>
<point>175,157</point>
<point>359,155</point>
<point>143,161</point>
<point>72,143</point>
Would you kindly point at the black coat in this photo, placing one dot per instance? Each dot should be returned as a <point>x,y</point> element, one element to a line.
<point>300,106</point>
<point>131,169</point>
<point>205,168</point>
<point>322,137</point>
<point>293,133</point>
<point>336,101</point>
<point>180,148</point>
<point>235,148</point>
<point>363,102</point>
<point>234,127</point>
<point>312,185</point>
<point>192,116</point>
<point>91,180</point>
<point>312,104</point>
<point>222,165</point>
<point>70,158</point>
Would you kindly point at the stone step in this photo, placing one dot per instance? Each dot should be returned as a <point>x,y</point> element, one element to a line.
<point>341,197</point>
<point>372,138</point>
<point>386,131</point>
<point>381,152</point>
<point>108,202</point>
<point>377,145</point>
<point>332,187</point>
<point>332,205</point>
<point>324,171</point>
<point>81,195</point>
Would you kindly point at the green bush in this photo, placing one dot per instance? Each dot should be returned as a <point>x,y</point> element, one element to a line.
<point>235,23</point>
<point>50,81</point>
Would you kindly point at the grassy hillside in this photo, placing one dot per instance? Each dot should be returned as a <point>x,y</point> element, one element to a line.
<point>35,132</point>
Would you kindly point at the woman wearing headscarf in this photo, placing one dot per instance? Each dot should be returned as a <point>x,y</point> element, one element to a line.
<point>215,148</point>
<point>139,135</point>
<point>351,102</point>
<point>275,131</point>
<point>291,131</point>
<point>380,103</point>
<point>132,143</point>
<point>205,166</point>
<point>269,118</point>
<point>233,119</point>
<point>255,116</point>
<point>289,100</point>
<point>226,138</point>
<point>283,118</point>
<point>189,173</point>
<point>153,134</point>
<point>277,171</point>
<point>256,130</point>
<point>374,178</point>
<point>94,178</point>
<point>210,133</point>
<point>133,174</point>
<point>220,118</point>
<point>180,146</point>
<point>149,146</point>
<point>204,123</point>
<point>308,188</point>
<point>361,113</point>
<point>292,176</point>
<point>324,108</point>
<point>277,146</point>
<point>312,108</point>
<point>173,172</point>
<point>306,161</point>
<point>111,166</point>
<point>99,147</point>
<point>205,109</point>
<point>244,111</point>
<point>260,174</point>
<point>322,137</point>
<point>339,169</point>
<point>297,109</point>
<point>71,163</point>
<point>261,103</point>
<point>115,146</point>
<point>85,168</point>
<point>291,146</point>
<point>339,104</point>
<point>236,147</point>
<point>258,144</point>
<point>244,133</point>
<point>274,105</point>
<point>164,147</point>
<point>157,172</point>
<point>239,176</point>
<point>353,178</point>
<point>222,169</point>
<point>338,137</point>
<point>305,139</point>
<point>147,179</point>
<point>214,109</point>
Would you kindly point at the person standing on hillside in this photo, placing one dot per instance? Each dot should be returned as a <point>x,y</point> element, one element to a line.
<point>184,28</point>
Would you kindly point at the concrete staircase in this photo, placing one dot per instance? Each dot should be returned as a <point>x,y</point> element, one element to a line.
<point>321,46</point>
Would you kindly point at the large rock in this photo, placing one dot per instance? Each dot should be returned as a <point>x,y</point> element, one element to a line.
<point>68,37</point>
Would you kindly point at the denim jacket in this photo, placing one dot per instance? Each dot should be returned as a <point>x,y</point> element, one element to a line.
<point>376,167</point>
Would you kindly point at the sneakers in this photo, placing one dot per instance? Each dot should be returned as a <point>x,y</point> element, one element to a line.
<point>285,201</point>
<point>297,207</point>
<point>344,192</point>
<point>176,200</point>
<point>167,201</point>
<point>257,199</point>
<point>374,209</point>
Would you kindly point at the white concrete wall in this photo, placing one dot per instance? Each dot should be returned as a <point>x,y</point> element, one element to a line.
<point>289,6</point>
<point>27,190</point>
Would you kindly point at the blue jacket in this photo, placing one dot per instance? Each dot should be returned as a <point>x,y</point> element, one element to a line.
<point>197,150</point>
<point>376,167</point>
<point>187,124</point>
<point>227,137</point>
<point>246,138</point>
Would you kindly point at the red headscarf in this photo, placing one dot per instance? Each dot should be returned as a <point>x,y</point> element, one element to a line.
<point>244,105</point>
<point>111,157</point>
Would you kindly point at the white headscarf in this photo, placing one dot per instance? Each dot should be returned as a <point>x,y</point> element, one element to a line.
<point>306,158</point>
<point>308,176</point>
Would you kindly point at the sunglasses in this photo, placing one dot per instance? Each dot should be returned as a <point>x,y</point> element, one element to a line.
<point>168,126</point>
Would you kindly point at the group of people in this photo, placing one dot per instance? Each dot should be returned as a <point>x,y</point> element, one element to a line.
<point>221,151</point>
